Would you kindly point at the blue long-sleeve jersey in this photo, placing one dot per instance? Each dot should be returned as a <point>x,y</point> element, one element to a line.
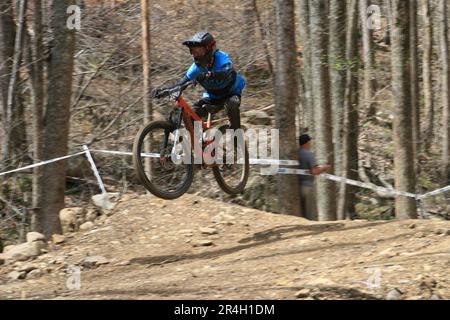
<point>225,81</point>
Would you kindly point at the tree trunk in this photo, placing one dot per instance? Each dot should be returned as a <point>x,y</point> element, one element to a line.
<point>7,36</point>
<point>286,99</point>
<point>18,139</point>
<point>427,132</point>
<point>37,98</point>
<point>445,58</point>
<point>148,112</point>
<point>413,44</point>
<point>57,117</point>
<point>388,6</point>
<point>308,109</point>
<point>405,207</point>
<point>247,53</point>
<point>146,60</point>
<point>346,206</point>
<point>13,113</point>
<point>337,75</point>
<point>263,40</point>
<point>369,81</point>
<point>326,197</point>
<point>387,33</point>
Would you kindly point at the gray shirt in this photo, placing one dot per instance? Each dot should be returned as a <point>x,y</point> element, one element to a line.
<point>307,162</point>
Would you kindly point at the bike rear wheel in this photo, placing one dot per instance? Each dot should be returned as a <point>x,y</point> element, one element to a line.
<point>232,177</point>
<point>153,164</point>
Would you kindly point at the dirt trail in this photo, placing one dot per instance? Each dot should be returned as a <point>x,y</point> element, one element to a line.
<point>198,248</point>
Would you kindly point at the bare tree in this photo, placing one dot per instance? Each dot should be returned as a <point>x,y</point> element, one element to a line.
<point>427,132</point>
<point>405,207</point>
<point>304,33</point>
<point>369,81</point>
<point>286,99</point>
<point>337,64</point>
<point>7,36</point>
<point>414,64</point>
<point>326,197</point>
<point>13,110</point>
<point>445,58</point>
<point>57,116</point>
<point>37,98</point>
<point>146,59</point>
<point>346,205</point>
<point>148,112</point>
<point>247,54</point>
<point>264,40</point>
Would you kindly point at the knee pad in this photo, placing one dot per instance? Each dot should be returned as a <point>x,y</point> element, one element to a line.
<point>233,103</point>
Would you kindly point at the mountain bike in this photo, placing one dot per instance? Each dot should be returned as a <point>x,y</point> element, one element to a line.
<point>166,152</point>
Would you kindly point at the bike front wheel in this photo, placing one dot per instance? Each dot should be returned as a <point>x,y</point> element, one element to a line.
<point>153,163</point>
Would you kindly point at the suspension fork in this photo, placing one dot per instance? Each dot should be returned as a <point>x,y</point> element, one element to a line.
<point>176,130</point>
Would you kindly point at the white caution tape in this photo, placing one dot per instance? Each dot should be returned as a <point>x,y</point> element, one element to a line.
<point>435,192</point>
<point>252,161</point>
<point>368,186</point>
<point>150,155</point>
<point>42,163</point>
<point>307,172</point>
<point>94,169</point>
<point>348,181</point>
<point>294,171</point>
<point>274,162</point>
<point>112,152</point>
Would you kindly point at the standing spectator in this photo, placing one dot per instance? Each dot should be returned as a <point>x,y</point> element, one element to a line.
<point>308,162</point>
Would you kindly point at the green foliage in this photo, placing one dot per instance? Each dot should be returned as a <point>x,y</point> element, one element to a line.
<point>426,182</point>
<point>26,183</point>
<point>373,212</point>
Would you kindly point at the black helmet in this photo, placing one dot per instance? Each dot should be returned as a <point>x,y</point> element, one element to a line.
<point>202,39</point>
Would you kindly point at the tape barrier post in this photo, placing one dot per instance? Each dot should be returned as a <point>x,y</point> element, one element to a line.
<point>421,207</point>
<point>94,169</point>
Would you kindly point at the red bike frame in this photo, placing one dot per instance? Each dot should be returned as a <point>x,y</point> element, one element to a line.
<point>188,115</point>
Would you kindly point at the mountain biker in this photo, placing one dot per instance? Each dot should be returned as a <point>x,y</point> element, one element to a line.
<point>214,71</point>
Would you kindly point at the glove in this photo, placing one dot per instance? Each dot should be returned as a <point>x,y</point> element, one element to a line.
<point>159,93</point>
<point>156,93</point>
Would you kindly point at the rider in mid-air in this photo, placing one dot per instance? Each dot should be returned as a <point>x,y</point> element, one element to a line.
<point>214,71</point>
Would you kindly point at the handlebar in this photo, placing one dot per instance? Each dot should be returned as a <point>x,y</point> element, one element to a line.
<point>174,93</point>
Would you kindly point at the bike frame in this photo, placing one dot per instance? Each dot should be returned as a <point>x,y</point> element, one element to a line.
<point>188,115</point>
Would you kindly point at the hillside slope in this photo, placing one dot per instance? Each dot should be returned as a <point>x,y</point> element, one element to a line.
<point>198,248</point>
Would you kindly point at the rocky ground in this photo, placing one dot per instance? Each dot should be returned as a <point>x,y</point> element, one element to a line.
<point>199,248</point>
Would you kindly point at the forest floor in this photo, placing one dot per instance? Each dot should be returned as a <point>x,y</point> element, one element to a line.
<point>199,248</point>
